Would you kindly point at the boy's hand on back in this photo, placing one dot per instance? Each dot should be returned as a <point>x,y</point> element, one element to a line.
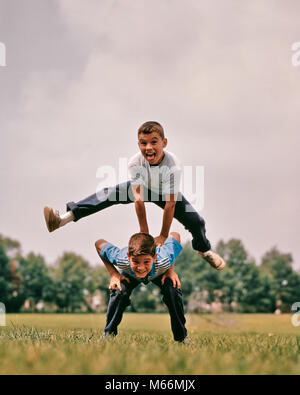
<point>115,281</point>
<point>172,276</point>
<point>159,240</point>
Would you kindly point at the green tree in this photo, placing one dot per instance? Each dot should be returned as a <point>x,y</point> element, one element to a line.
<point>5,277</point>
<point>10,281</point>
<point>11,247</point>
<point>188,267</point>
<point>285,282</point>
<point>72,281</point>
<point>146,299</point>
<point>37,284</point>
<point>196,275</point>
<point>100,281</point>
<point>242,282</point>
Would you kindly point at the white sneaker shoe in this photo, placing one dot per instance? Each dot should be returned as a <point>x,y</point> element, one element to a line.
<point>213,259</point>
<point>52,218</point>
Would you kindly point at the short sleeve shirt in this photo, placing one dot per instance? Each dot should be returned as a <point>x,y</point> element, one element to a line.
<point>166,256</point>
<point>162,179</point>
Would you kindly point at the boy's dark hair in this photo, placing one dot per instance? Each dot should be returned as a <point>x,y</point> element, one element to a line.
<point>150,127</point>
<point>141,244</point>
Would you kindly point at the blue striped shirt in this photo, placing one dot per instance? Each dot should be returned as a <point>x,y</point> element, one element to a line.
<point>166,256</point>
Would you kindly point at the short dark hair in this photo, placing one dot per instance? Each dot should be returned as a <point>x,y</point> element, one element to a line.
<point>141,244</point>
<point>150,127</point>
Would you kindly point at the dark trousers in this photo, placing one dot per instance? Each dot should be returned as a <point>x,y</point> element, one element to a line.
<point>122,194</point>
<point>172,297</point>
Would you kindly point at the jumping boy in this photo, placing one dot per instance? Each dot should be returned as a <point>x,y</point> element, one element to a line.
<point>142,262</point>
<point>155,176</point>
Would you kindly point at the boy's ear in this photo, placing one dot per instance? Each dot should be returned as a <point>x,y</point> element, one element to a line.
<point>165,142</point>
<point>154,258</point>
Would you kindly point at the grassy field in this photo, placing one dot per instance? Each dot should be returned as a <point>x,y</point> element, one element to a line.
<point>223,344</point>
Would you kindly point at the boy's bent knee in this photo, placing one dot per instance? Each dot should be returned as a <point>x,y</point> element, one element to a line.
<point>125,291</point>
<point>170,293</point>
<point>168,286</point>
<point>196,223</point>
<point>122,296</point>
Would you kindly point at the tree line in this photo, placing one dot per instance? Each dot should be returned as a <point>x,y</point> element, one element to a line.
<point>28,283</point>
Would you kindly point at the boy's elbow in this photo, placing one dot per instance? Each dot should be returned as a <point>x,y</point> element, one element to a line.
<point>99,244</point>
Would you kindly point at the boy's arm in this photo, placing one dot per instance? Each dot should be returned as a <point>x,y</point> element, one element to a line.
<point>172,276</point>
<point>140,207</point>
<point>115,276</point>
<point>167,219</point>
<point>170,272</point>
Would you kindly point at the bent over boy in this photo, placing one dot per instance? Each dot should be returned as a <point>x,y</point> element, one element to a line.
<point>142,262</point>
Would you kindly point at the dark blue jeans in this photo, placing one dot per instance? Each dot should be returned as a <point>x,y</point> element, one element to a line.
<point>172,297</point>
<point>122,194</point>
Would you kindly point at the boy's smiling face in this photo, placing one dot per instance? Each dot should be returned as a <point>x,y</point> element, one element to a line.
<point>152,146</point>
<point>141,265</point>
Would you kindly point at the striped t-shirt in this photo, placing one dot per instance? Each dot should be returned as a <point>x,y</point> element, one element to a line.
<point>166,255</point>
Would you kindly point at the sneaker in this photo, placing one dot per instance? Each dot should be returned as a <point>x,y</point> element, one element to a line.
<point>213,259</point>
<point>52,218</point>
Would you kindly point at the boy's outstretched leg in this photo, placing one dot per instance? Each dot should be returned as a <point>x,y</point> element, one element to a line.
<point>195,224</point>
<point>106,197</point>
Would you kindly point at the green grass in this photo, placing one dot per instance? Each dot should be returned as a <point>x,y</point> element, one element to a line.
<point>223,344</point>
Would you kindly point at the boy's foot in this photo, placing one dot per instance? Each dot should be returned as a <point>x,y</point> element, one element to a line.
<point>213,259</point>
<point>52,218</point>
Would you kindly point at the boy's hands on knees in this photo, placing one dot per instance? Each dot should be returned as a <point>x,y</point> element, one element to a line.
<point>173,277</point>
<point>159,240</point>
<point>115,281</point>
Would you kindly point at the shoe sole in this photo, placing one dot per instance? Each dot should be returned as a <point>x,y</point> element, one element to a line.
<point>47,210</point>
<point>47,213</point>
<point>221,266</point>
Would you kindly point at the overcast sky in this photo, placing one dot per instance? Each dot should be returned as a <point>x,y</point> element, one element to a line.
<point>83,75</point>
